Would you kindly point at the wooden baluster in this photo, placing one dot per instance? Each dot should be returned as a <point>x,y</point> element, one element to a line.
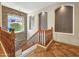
<point>12,43</point>
<point>0,28</point>
<point>39,36</point>
<point>44,38</point>
<point>0,33</point>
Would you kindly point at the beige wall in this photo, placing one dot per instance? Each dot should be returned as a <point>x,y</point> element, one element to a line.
<point>32,31</point>
<point>61,37</point>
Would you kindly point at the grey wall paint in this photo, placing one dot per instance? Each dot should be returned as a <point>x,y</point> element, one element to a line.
<point>64,19</point>
<point>43,20</point>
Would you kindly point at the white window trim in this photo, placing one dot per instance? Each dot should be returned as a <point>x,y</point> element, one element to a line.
<point>23,22</point>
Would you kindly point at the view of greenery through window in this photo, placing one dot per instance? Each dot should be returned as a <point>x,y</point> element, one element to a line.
<point>15,22</point>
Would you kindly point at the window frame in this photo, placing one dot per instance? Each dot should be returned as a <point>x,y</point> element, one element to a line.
<point>18,22</point>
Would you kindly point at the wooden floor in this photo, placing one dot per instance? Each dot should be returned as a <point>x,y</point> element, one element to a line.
<point>1,52</point>
<point>56,50</point>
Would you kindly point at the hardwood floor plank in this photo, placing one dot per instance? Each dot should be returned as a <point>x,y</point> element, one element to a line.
<point>2,54</point>
<point>75,52</point>
<point>56,50</point>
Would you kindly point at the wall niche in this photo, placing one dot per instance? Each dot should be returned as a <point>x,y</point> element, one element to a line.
<point>43,20</point>
<point>64,19</point>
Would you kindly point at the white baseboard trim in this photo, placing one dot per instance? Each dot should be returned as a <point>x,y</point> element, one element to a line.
<point>49,44</point>
<point>41,46</point>
<point>45,47</point>
<point>18,53</point>
<point>29,50</point>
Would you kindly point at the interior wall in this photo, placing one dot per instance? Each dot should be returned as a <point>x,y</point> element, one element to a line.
<point>21,36</point>
<point>30,32</point>
<point>70,38</point>
<point>61,37</point>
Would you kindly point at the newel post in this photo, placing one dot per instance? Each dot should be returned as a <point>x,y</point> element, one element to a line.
<point>0,33</point>
<point>0,29</point>
<point>12,43</point>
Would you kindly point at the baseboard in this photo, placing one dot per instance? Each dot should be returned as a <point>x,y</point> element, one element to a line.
<point>66,43</point>
<point>29,50</point>
<point>41,46</point>
<point>45,47</point>
<point>49,44</point>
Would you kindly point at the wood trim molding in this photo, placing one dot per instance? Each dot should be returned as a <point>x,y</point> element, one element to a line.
<point>66,44</point>
<point>45,47</point>
<point>8,42</point>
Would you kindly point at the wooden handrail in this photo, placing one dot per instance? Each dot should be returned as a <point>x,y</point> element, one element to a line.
<point>26,44</point>
<point>34,35</point>
<point>8,41</point>
<point>42,37</point>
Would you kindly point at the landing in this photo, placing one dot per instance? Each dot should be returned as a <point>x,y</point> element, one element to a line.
<point>56,50</point>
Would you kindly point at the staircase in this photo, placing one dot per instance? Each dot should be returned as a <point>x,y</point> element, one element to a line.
<point>41,38</point>
<point>8,41</point>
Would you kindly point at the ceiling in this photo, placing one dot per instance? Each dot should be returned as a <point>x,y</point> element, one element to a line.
<point>27,6</point>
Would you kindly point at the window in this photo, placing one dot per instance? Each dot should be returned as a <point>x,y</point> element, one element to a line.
<point>15,22</point>
<point>31,22</point>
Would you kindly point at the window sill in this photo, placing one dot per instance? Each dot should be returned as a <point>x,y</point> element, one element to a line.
<point>19,31</point>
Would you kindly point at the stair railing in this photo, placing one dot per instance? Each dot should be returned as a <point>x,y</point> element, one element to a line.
<point>42,37</point>
<point>8,41</point>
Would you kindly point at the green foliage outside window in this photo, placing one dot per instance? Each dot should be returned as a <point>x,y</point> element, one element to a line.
<point>16,26</point>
